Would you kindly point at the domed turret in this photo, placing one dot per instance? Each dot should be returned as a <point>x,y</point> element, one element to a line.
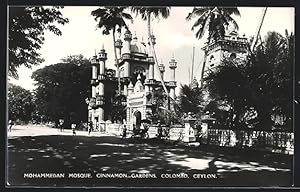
<point>138,47</point>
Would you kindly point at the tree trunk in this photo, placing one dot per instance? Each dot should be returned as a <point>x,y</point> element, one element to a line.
<point>117,63</point>
<point>154,54</point>
<point>203,67</point>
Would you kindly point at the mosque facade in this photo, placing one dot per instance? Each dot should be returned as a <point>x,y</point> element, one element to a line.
<point>138,84</point>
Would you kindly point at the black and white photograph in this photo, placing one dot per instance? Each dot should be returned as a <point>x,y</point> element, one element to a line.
<point>150,96</point>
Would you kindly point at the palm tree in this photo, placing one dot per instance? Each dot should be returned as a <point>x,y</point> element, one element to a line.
<point>215,20</point>
<point>112,19</point>
<point>147,13</point>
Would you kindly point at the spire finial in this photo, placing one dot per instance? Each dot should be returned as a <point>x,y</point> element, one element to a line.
<point>135,37</point>
<point>139,77</point>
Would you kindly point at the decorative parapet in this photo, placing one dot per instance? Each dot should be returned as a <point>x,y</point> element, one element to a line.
<point>172,84</point>
<point>126,56</point>
<point>150,60</point>
<point>101,77</point>
<point>150,82</point>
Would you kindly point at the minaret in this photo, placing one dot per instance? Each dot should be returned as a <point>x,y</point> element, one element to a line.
<point>94,62</point>
<point>172,83</point>
<point>100,100</point>
<point>162,70</point>
<point>119,45</point>
<point>150,81</point>
<point>151,66</point>
<point>126,56</point>
<point>92,102</point>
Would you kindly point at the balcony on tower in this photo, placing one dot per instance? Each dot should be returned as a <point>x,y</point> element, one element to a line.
<point>172,64</point>
<point>102,55</point>
<point>101,77</point>
<point>94,60</point>
<point>100,100</point>
<point>92,102</point>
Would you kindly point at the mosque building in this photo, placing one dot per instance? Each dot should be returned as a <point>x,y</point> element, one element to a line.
<point>138,84</point>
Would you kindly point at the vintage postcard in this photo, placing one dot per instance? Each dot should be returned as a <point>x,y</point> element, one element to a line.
<point>132,96</point>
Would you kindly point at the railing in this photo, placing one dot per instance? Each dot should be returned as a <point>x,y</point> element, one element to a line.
<point>272,141</point>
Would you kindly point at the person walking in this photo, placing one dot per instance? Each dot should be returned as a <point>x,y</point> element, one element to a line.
<point>90,127</point>
<point>73,126</point>
<point>10,124</point>
<point>61,125</point>
<point>124,132</point>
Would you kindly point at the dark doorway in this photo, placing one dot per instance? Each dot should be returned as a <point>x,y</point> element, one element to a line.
<point>138,119</point>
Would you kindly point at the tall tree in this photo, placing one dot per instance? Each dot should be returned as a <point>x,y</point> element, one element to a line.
<point>27,26</point>
<point>149,13</point>
<point>191,99</point>
<point>62,89</point>
<point>20,103</point>
<point>215,20</point>
<point>112,19</point>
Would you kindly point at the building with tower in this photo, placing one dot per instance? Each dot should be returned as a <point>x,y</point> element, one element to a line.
<point>231,46</point>
<point>138,84</point>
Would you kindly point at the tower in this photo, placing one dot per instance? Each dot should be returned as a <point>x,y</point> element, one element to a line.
<point>172,83</point>
<point>231,46</point>
<point>94,82</point>
<point>162,70</point>
<point>100,99</point>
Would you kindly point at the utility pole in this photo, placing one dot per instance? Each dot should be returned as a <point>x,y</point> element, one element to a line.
<point>258,29</point>
<point>193,58</point>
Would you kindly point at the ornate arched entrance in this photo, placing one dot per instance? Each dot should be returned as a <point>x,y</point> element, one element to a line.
<point>138,119</point>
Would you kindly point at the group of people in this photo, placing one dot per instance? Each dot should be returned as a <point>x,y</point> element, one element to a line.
<point>141,132</point>
<point>73,127</point>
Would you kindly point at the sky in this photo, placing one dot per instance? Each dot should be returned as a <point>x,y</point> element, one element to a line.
<point>174,37</point>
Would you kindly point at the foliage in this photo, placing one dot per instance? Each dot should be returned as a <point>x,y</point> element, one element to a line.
<point>258,89</point>
<point>111,19</point>
<point>162,112</point>
<point>215,19</point>
<point>26,34</point>
<point>191,99</point>
<point>118,111</point>
<point>145,12</point>
<point>62,89</point>
<point>20,103</point>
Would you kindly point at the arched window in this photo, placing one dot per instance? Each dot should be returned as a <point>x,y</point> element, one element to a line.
<point>211,61</point>
<point>232,56</point>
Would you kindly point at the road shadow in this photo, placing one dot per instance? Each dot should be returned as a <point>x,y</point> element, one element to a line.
<point>108,154</point>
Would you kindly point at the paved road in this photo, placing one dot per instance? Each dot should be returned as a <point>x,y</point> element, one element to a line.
<point>34,149</point>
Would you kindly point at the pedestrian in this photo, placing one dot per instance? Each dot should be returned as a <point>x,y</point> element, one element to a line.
<point>90,127</point>
<point>73,129</point>
<point>61,125</point>
<point>159,130</point>
<point>124,132</point>
<point>10,124</point>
